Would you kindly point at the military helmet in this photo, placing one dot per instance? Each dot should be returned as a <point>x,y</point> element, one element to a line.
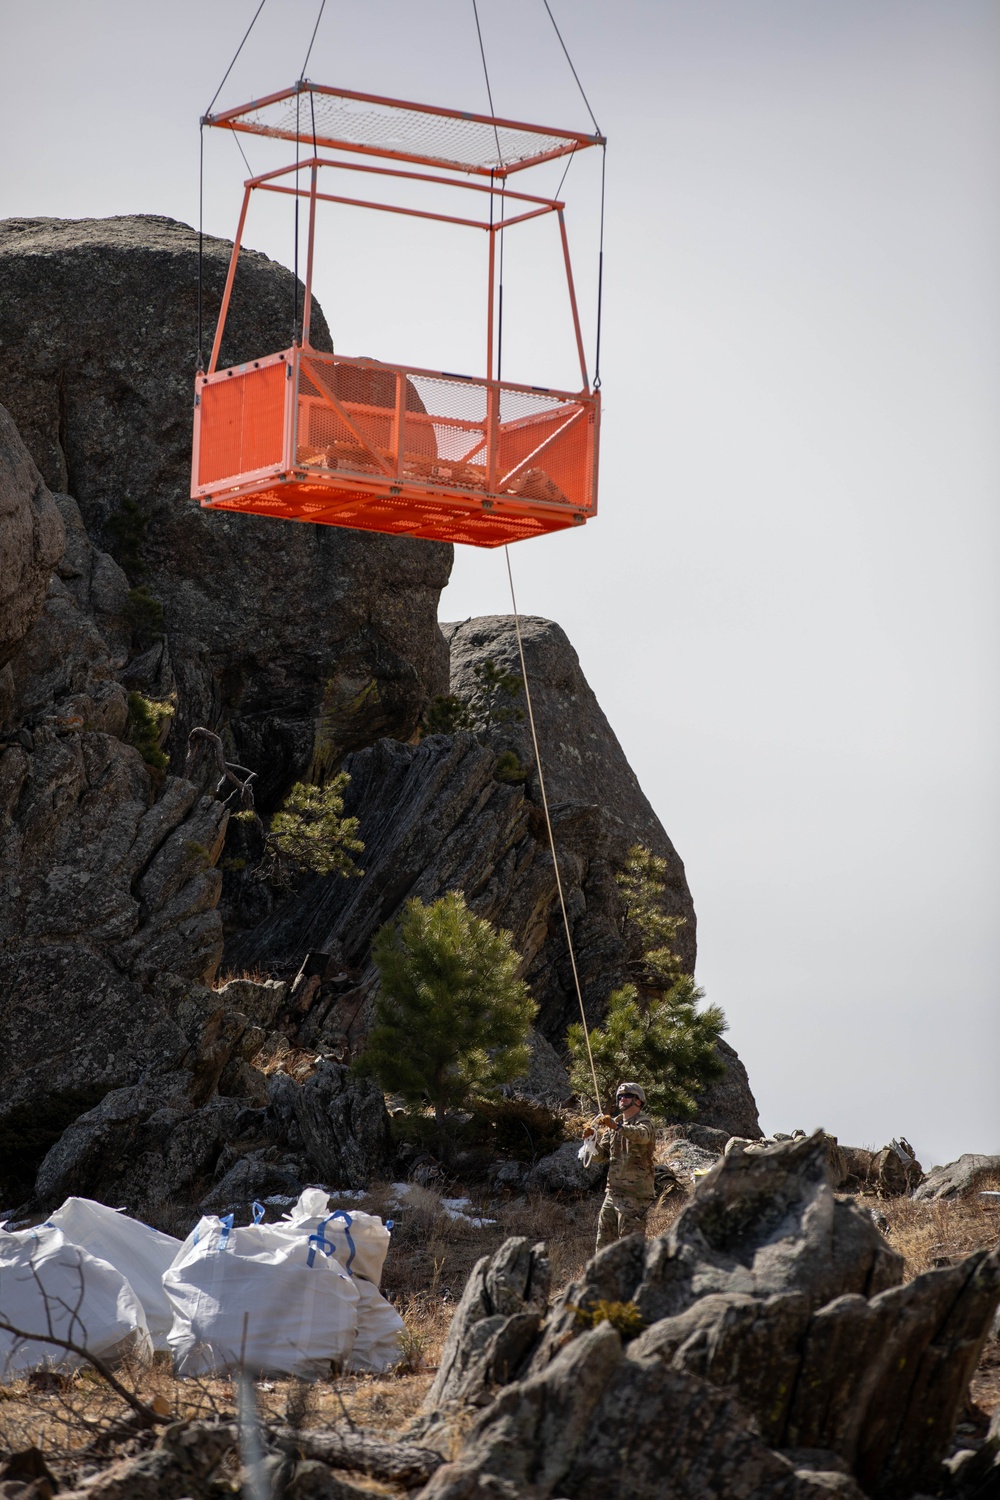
<point>632,1088</point>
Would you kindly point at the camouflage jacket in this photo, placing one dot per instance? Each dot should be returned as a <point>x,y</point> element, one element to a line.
<point>629,1150</point>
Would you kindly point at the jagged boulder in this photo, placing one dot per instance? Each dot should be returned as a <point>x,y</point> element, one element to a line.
<point>728,1103</point>
<point>67,671</point>
<point>582,761</point>
<point>494,1326</point>
<point>444,814</point>
<point>342,1123</point>
<point>958,1178</point>
<point>769,1303</point>
<point>307,641</point>
<point>434,817</point>
<point>104,885</point>
<point>599,1416</point>
<point>212,1130</point>
<point>562,1172</point>
<point>547,1080</point>
<point>143,1146</point>
<point>759,1225</point>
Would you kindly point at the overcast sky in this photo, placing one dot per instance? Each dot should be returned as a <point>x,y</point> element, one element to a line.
<point>787,605</point>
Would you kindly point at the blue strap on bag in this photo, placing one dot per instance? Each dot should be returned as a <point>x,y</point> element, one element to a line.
<point>320,1242</point>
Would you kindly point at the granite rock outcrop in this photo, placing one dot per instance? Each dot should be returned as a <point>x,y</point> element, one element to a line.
<point>764,1346</point>
<point>306,642</point>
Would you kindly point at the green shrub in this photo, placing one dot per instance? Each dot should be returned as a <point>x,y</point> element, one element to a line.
<point>446,714</point>
<point>493,704</point>
<point>623,1316</point>
<point>144,728</point>
<point>663,1041</point>
<point>144,613</point>
<point>509,769</point>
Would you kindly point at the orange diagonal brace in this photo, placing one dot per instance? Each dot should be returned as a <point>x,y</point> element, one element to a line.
<point>575,417</point>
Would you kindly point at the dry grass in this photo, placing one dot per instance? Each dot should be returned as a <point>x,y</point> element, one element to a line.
<point>933,1234</point>
<point>928,1235</point>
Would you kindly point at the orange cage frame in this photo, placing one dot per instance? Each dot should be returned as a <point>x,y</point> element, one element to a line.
<point>305,435</point>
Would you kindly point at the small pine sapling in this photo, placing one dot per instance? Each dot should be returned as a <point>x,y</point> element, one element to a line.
<point>311,833</point>
<point>452,1017</point>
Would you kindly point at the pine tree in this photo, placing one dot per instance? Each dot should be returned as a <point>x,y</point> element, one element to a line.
<point>666,1043</point>
<point>650,934</point>
<point>451,1018</point>
<point>311,833</point>
<point>653,1031</point>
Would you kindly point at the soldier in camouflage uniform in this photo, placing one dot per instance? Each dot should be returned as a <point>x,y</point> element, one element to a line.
<point>626,1143</point>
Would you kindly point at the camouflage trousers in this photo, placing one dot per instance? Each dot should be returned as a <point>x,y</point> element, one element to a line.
<point>618,1217</point>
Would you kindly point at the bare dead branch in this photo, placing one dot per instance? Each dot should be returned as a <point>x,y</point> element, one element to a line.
<point>243,782</point>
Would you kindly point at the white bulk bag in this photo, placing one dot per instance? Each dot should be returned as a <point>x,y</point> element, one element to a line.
<point>48,1285</point>
<point>376,1347</point>
<point>140,1253</point>
<point>241,1298</point>
<point>358,1241</point>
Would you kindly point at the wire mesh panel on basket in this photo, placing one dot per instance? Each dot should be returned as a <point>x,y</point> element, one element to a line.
<point>341,119</point>
<point>456,410</point>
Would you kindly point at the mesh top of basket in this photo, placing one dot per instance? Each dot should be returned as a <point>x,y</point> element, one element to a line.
<point>342,119</point>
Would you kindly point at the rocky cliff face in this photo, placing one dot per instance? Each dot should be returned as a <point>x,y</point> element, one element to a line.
<point>305,641</point>
<point>306,648</point>
<point>442,815</point>
<point>107,877</point>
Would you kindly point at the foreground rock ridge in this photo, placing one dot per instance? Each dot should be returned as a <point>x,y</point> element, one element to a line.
<point>128,616</point>
<point>764,1348</point>
<point>779,1355</point>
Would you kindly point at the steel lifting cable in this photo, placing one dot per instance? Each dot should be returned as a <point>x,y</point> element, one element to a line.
<point>548,825</point>
<point>312,39</point>
<point>604,156</point>
<point>298,134</point>
<point>503,189</point>
<point>572,69</point>
<point>201,181</point>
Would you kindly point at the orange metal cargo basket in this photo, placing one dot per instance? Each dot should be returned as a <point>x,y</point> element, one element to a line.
<point>351,442</point>
<point>310,436</point>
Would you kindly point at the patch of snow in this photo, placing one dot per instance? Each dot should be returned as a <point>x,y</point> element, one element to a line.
<point>452,1208</point>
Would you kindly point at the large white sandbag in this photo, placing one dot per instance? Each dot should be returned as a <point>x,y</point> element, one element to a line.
<point>242,1298</point>
<point>140,1253</point>
<point>376,1347</point>
<point>48,1285</point>
<point>358,1241</point>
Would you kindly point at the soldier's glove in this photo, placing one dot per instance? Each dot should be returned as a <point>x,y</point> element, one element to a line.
<point>588,1134</point>
<point>604,1121</point>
